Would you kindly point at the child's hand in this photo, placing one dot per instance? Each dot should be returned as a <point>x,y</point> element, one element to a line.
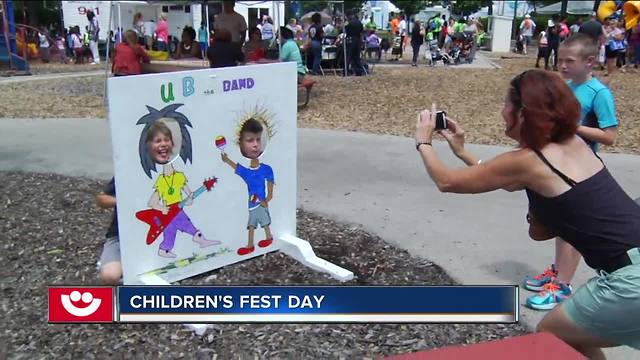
<point>264,203</point>
<point>165,210</point>
<point>225,158</point>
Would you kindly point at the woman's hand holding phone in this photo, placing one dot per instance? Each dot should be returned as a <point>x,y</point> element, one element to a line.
<point>454,135</point>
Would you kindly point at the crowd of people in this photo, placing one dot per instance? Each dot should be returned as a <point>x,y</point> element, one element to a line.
<point>71,45</point>
<point>617,47</point>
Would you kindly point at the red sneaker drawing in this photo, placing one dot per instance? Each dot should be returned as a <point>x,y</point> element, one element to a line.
<point>245,250</point>
<point>265,242</point>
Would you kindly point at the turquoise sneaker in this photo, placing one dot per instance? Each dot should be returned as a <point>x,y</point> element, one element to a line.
<point>552,295</point>
<point>538,282</point>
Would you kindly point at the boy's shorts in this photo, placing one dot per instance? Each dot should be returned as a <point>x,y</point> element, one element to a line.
<point>259,216</point>
<point>110,251</point>
<point>542,52</point>
<point>607,305</point>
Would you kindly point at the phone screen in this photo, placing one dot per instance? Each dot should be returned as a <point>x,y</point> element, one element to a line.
<point>441,120</point>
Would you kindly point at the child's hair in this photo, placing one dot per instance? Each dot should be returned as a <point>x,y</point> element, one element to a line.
<point>156,128</point>
<point>131,38</point>
<point>251,126</point>
<point>583,43</point>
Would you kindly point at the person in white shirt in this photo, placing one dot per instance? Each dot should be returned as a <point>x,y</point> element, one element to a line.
<point>402,28</point>
<point>231,21</point>
<point>267,31</point>
<point>527,29</point>
<point>149,31</point>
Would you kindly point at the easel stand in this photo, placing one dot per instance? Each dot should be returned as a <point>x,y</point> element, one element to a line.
<point>291,246</point>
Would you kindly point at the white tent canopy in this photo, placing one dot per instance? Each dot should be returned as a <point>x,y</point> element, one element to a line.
<point>573,8</point>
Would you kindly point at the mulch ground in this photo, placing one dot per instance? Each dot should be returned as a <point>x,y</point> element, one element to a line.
<point>385,103</point>
<point>52,234</point>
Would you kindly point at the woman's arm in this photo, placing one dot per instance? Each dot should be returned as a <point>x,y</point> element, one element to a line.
<point>505,171</point>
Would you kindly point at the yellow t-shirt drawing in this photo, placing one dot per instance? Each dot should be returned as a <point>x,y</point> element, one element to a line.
<point>170,187</point>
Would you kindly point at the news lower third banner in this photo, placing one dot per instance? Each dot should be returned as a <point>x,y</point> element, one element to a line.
<point>323,304</point>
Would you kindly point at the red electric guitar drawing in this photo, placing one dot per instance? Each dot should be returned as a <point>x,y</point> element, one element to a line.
<point>158,221</point>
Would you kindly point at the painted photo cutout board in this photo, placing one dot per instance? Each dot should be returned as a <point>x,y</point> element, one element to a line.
<point>205,167</point>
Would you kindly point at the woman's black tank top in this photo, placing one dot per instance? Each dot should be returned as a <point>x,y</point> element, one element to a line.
<point>595,216</point>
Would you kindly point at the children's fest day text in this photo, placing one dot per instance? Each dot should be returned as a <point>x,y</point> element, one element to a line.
<point>226,301</point>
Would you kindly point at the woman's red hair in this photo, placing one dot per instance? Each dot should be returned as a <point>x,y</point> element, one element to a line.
<point>550,110</point>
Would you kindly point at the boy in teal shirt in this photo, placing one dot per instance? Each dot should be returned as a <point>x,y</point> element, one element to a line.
<point>598,125</point>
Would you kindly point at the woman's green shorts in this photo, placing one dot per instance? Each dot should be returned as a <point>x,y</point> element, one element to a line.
<point>608,305</point>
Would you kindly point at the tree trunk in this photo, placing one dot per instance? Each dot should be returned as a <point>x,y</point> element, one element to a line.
<point>596,5</point>
<point>563,10</point>
<point>33,8</point>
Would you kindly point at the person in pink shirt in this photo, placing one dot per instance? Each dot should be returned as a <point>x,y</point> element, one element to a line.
<point>162,33</point>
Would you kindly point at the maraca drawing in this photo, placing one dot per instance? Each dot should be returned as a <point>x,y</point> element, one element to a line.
<point>221,142</point>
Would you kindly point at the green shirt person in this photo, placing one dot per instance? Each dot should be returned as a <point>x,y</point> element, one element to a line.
<point>291,52</point>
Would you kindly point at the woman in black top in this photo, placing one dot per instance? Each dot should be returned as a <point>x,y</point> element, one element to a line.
<point>223,52</point>
<point>417,38</point>
<point>315,35</point>
<point>571,194</point>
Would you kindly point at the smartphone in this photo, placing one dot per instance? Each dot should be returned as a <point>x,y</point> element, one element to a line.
<point>441,120</point>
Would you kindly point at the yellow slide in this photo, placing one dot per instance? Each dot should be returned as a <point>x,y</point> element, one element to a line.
<point>606,9</point>
<point>631,13</point>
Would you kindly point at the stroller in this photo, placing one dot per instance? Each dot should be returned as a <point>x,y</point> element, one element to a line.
<point>461,48</point>
<point>435,54</point>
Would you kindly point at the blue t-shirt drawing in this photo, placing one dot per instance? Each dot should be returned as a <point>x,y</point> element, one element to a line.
<point>256,180</point>
<point>597,105</point>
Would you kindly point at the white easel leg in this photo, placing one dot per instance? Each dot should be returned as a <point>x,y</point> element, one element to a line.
<point>301,250</point>
<point>199,329</point>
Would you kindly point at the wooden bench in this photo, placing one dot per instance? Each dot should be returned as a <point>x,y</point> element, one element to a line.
<point>307,85</point>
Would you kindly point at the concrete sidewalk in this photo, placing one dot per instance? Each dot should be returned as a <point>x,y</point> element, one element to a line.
<point>376,181</point>
<point>53,76</point>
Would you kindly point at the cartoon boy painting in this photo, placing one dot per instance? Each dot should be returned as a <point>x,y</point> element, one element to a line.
<point>170,189</point>
<point>259,180</point>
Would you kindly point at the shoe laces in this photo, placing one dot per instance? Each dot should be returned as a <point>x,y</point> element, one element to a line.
<point>546,273</point>
<point>550,287</point>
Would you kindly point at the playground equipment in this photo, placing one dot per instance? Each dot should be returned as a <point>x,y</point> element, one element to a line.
<point>631,11</point>
<point>8,39</point>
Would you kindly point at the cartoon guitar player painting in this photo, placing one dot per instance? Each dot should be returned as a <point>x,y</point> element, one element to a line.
<point>171,192</point>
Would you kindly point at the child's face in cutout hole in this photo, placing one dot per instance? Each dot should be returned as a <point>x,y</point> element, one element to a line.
<point>251,145</point>
<point>160,148</point>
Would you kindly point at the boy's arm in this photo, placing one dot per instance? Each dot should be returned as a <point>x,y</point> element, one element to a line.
<point>226,159</point>
<point>604,108</point>
<point>105,201</point>
<point>603,136</point>
<point>269,191</point>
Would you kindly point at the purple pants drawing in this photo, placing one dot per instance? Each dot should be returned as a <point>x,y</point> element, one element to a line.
<point>180,222</point>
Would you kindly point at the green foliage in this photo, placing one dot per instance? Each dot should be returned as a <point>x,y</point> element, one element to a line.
<point>411,7</point>
<point>468,7</point>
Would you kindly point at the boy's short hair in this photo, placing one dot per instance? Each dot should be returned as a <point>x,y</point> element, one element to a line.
<point>156,128</point>
<point>251,126</point>
<point>584,43</point>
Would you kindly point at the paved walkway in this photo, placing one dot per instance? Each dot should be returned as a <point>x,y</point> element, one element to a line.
<point>17,79</point>
<point>378,182</point>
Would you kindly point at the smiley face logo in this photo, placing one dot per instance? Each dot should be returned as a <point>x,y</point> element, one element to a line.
<point>86,297</point>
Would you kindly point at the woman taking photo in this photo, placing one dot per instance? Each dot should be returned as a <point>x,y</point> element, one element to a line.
<point>571,194</point>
